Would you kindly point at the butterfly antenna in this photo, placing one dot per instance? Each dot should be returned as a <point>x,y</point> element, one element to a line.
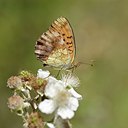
<point>79,63</point>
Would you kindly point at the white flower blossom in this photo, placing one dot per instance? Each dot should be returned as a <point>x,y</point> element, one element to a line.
<point>61,100</point>
<point>43,74</point>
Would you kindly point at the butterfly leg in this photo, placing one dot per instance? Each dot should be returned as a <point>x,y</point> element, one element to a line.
<point>58,73</point>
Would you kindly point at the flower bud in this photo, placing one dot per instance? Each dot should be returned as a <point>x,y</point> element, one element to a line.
<point>14,82</point>
<point>34,120</point>
<point>17,104</point>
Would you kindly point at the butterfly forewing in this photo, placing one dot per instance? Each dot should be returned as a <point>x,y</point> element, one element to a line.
<point>56,47</point>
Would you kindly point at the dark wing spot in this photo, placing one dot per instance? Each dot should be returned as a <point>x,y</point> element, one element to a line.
<point>39,42</point>
<point>69,47</point>
<point>69,37</point>
<point>52,26</point>
<point>43,39</point>
<point>69,42</point>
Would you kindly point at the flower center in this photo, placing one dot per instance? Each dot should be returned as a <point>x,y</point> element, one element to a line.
<point>62,98</point>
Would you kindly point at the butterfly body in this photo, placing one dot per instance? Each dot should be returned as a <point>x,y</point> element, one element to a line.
<point>56,47</point>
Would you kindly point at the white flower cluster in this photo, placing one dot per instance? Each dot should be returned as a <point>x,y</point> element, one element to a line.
<point>46,93</point>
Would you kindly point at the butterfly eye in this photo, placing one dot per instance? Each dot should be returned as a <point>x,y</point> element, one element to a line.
<point>45,65</point>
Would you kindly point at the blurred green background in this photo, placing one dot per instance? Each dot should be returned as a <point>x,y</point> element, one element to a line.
<point>101,33</point>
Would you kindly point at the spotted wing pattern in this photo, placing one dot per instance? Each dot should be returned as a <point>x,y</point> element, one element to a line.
<point>56,46</point>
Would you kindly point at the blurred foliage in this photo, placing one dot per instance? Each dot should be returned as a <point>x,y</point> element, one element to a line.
<point>101,32</point>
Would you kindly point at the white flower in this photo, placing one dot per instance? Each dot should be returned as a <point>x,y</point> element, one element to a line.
<point>43,74</point>
<point>61,100</point>
<point>70,80</point>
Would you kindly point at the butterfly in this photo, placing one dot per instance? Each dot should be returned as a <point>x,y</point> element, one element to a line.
<point>56,47</point>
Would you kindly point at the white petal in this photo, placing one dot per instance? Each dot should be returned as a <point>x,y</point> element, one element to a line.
<point>50,90</point>
<point>47,106</point>
<point>50,125</point>
<point>75,94</point>
<point>65,113</point>
<point>60,85</point>
<point>53,87</point>
<point>73,103</point>
<point>52,79</point>
<point>43,74</point>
